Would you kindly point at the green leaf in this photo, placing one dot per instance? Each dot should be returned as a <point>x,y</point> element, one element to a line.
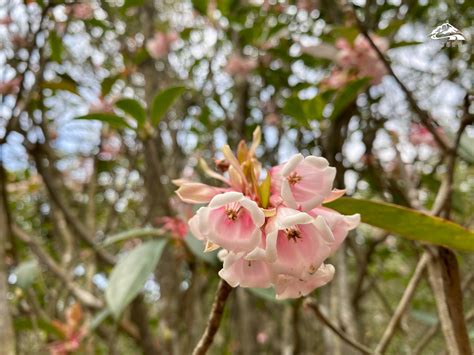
<point>134,109</point>
<point>131,3</point>
<point>294,108</point>
<point>348,95</point>
<point>404,44</point>
<point>196,247</point>
<point>349,33</point>
<point>56,45</point>
<point>109,118</point>
<point>26,273</point>
<point>391,29</point>
<point>130,274</point>
<point>108,83</point>
<point>163,102</point>
<point>200,6</point>
<point>305,111</point>
<point>264,191</point>
<point>60,85</point>
<point>408,223</point>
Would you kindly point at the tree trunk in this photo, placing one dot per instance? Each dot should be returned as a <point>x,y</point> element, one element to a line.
<point>7,335</point>
<point>445,281</point>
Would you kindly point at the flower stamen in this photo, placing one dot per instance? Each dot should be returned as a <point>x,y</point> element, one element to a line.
<point>294,178</point>
<point>232,211</point>
<point>293,233</point>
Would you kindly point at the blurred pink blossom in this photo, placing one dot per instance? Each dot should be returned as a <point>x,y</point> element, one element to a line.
<point>159,46</point>
<point>81,11</point>
<point>262,337</point>
<point>110,147</point>
<point>101,106</point>
<point>238,65</point>
<point>5,21</point>
<point>337,79</point>
<point>174,225</point>
<point>361,58</point>
<point>420,135</point>
<point>11,86</point>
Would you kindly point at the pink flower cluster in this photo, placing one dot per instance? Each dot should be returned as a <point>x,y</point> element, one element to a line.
<point>272,233</point>
<point>159,45</point>
<point>358,60</point>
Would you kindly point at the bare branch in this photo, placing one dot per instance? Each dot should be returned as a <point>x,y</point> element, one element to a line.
<point>403,304</point>
<point>214,320</point>
<point>311,303</point>
<point>83,296</point>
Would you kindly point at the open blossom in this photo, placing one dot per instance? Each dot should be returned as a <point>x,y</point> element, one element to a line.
<point>232,221</point>
<point>303,182</point>
<point>159,46</point>
<point>282,240</point>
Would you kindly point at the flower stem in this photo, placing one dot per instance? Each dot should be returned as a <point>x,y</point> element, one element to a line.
<point>214,320</point>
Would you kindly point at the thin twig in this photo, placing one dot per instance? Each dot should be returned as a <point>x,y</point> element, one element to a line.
<point>311,303</point>
<point>426,119</point>
<point>85,297</point>
<point>403,304</point>
<point>214,320</point>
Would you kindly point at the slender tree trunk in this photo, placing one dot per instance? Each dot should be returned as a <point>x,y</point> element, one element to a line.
<point>7,335</point>
<point>444,278</point>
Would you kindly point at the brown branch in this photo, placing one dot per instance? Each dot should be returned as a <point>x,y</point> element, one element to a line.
<point>83,296</point>
<point>215,318</point>
<point>7,332</point>
<point>426,119</point>
<point>313,305</point>
<point>403,304</point>
<point>81,230</point>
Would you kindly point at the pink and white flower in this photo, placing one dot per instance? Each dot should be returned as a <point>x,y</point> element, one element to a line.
<point>293,287</point>
<point>296,243</point>
<point>232,221</point>
<point>339,224</point>
<point>282,240</point>
<point>237,270</point>
<point>196,192</point>
<point>303,183</point>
